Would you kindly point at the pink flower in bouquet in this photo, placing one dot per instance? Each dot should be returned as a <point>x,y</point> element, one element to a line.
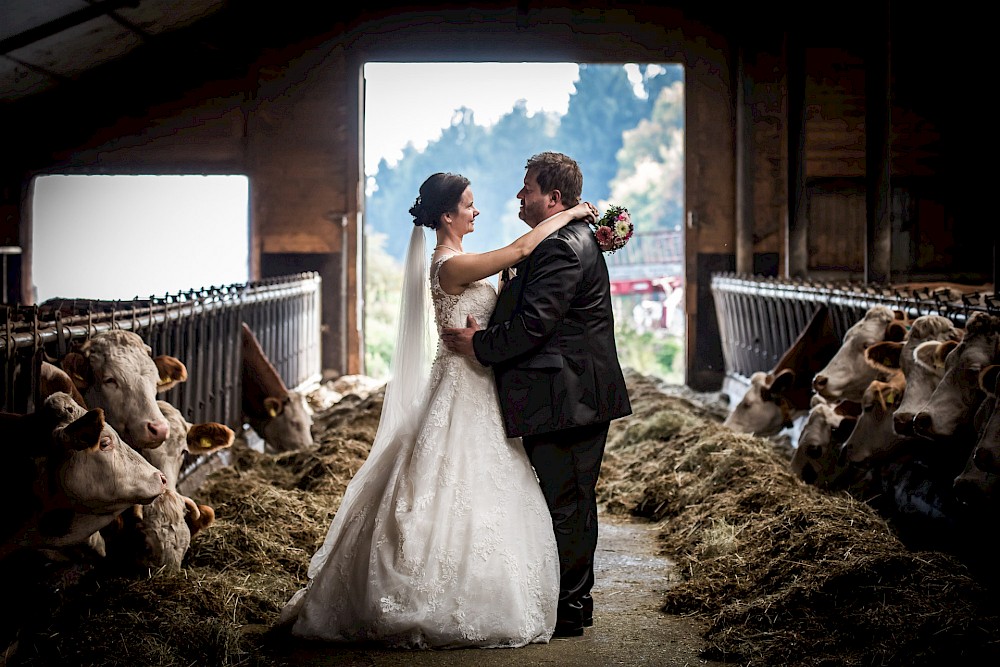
<point>614,229</point>
<point>605,236</point>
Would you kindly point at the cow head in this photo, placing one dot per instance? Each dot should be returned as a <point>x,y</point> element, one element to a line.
<point>115,371</point>
<point>873,437</point>
<point>848,374</point>
<point>825,429</point>
<point>958,394</point>
<point>278,415</point>
<point>93,469</point>
<point>764,409</point>
<point>289,423</point>
<point>920,367</point>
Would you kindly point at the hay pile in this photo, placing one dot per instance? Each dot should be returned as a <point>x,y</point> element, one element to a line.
<point>788,575</point>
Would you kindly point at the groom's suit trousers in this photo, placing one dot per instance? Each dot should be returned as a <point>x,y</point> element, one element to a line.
<point>567,463</point>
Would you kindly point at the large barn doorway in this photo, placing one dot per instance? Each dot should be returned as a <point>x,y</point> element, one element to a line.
<point>125,237</point>
<point>624,124</point>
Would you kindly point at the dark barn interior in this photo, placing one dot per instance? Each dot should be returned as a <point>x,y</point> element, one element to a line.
<point>826,144</point>
<point>829,157</point>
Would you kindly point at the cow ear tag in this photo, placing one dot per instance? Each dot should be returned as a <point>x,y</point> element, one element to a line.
<point>273,406</point>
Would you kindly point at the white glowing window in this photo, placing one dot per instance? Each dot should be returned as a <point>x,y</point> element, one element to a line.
<point>121,237</point>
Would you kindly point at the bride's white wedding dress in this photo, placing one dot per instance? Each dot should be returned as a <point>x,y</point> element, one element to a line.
<point>443,538</point>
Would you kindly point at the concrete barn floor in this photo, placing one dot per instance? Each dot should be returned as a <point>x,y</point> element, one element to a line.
<point>629,629</point>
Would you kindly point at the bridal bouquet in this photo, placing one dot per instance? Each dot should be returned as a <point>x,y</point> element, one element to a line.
<point>614,229</point>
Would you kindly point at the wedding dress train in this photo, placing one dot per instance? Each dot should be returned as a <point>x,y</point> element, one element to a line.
<point>443,538</point>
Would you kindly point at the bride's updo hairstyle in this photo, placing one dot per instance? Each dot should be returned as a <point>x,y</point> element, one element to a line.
<point>439,194</point>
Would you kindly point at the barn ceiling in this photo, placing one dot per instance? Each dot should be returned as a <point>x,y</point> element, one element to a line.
<point>47,43</point>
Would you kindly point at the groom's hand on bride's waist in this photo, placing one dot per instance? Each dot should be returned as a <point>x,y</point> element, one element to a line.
<point>460,340</point>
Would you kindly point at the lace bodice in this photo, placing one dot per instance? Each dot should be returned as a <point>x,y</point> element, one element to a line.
<point>451,310</point>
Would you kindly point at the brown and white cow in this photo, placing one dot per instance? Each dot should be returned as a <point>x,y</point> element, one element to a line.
<point>874,439</point>
<point>950,410</point>
<point>115,371</point>
<point>776,399</point>
<point>158,535</point>
<point>280,416</point>
<point>826,428</point>
<point>918,358</point>
<point>848,374</point>
<point>70,476</point>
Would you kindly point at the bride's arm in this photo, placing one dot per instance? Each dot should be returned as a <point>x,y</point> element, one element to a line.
<point>461,270</point>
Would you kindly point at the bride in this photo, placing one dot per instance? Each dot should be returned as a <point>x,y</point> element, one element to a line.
<point>443,538</point>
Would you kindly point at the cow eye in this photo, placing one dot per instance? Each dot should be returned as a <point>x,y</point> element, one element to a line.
<point>110,382</point>
<point>106,443</point>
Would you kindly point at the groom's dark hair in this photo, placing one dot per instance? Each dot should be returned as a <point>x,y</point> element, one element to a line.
<point>556,171</point>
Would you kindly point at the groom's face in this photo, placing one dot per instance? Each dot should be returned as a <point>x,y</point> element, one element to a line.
<point>535,206</point>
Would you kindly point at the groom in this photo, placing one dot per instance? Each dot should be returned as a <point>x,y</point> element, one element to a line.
<point>551,344</point>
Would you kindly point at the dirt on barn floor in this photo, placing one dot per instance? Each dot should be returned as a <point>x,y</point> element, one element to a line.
<point>711,551</point>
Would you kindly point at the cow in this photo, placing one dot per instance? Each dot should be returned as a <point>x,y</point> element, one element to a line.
<point>281,417</point>
<point>949,412</point>
<point>986,455</point>
<point>777,398</point>
<point>157,536</point>
<point>72,477</point>
<point>848,374</point>
<point>873,436</point>
<point>977,484</point>
<point>918,358</point>
<point>115,371</point>
<point>826,427</point>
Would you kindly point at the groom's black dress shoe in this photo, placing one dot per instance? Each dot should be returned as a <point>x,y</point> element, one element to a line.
<point>572,617</point>
<point>568,629</point>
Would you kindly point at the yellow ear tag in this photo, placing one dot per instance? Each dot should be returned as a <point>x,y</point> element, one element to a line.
<point>272,412</point>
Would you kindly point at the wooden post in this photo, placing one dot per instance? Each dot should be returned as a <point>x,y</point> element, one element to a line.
<point>878,118</point>
<point>796,237</point>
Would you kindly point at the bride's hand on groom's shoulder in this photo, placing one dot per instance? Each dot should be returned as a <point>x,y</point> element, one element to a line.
<point>585,211</point>
<point>459,341</point>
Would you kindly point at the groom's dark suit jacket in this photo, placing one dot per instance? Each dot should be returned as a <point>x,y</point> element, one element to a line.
<point>551,340</point>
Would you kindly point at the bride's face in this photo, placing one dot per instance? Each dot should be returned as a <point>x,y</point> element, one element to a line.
<point>463,221</point>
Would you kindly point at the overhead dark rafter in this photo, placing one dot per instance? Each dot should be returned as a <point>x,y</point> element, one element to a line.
<point>56,26</point>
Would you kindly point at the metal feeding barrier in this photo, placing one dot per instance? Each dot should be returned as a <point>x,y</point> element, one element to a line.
<point>201,327</point>
<point>759,317</point>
